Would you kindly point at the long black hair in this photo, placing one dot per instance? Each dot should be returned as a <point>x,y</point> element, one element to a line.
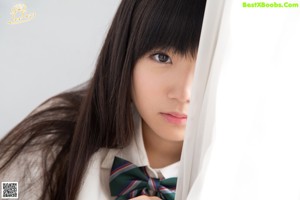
<point>66,130</point>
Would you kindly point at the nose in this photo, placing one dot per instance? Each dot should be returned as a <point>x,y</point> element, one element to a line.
<point>180,86</point>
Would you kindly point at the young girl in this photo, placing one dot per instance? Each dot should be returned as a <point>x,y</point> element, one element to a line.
<point>120,135</point>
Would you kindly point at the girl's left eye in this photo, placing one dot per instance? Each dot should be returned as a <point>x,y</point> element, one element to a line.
<point>162,58</point>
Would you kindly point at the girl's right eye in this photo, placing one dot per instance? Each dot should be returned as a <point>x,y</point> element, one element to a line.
<point>162,58</point>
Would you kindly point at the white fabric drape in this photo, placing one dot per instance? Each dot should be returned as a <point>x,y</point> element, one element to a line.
<point>243,133</point>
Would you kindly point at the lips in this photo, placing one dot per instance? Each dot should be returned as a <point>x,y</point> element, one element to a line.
<point>175,118</point>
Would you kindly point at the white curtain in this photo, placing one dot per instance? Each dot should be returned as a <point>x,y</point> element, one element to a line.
<point>243,133</point>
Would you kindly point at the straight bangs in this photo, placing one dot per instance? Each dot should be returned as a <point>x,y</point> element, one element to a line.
<point>167,25</point>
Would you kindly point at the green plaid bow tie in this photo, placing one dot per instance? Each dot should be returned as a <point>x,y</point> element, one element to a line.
<point>128,181</point>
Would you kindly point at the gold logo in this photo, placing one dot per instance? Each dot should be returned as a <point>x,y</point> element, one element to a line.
<point>20,15</point>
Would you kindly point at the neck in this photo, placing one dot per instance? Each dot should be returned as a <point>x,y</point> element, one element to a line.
<point>161,152</point>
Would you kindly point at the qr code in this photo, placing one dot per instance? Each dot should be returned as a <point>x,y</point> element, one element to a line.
<point>9,190</point>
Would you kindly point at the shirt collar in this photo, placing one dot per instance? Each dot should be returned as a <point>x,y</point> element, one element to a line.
<point>170,170</point>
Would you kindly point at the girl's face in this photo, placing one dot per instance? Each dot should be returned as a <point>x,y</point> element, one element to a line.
<point>161,93</point>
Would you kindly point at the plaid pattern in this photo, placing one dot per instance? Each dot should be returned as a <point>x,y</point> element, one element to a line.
<point>128,181</point>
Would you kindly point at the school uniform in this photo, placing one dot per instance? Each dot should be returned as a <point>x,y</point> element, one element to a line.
<point>96,179</point>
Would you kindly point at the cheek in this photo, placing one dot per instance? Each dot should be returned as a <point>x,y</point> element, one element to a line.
<point>146,86</point>
<point>148,93</point>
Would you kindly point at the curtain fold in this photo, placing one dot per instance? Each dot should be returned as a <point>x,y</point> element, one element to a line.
<point>243,132</point>
<point>201,111</point>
